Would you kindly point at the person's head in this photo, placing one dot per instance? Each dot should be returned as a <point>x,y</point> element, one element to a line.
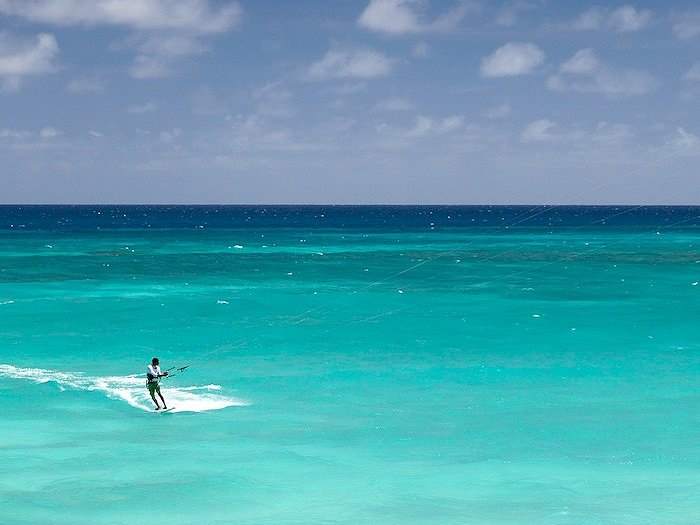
<point>155,361</point>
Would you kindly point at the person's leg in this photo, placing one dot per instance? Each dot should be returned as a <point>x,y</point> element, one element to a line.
<point>161,397</point>
<point>152,391</point>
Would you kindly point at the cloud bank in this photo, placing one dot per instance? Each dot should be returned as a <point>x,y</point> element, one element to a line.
<point>195,16</point>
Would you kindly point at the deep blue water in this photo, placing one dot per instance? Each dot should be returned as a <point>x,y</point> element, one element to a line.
<point>355,217</point>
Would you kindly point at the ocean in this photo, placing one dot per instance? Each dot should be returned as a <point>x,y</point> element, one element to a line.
<point>485,365</point>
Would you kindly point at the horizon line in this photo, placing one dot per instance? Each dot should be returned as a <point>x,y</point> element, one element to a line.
<point>348,205</point>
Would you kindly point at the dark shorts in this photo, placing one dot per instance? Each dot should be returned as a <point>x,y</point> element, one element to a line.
<point>153,387</point>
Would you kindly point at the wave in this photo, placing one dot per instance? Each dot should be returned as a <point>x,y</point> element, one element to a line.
<point>131,389</point>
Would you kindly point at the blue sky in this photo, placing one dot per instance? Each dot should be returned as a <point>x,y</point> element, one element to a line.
<point>339,101</point>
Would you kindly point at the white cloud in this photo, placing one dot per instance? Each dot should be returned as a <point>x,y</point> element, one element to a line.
<point>399,17</point>
<point>687,25</point>
<point>16,134</point>
<point>360,63</point>
<point>624,19</point>
<point>422,127</point>
<point>445,125</point>
<point>585,73</point>
<point>508,14</point>
<point>145,67</point>
<point>394,104</point>
<point>684,143</point>
<point>539,131</point>
<point>611,134</point>
<point>171,135</point>
<point>590,20</point>
<point>95,134</point>
<point>173,46</point>
<point>603,134</point>
<point>498,112</point>
<point>148,107</point>
<point>44,133</point>
<point>512,59</point>
<point>49,133</point>
<point>627,19</point>
<point>84,85</point>
<point>583,62</point>
<point>19,59</point>
<point>249,133</point>
<point>195,16</point>
<point>694,72</point>
<point>156,54</point>
<point>274,100</point>
<point>168,30</point>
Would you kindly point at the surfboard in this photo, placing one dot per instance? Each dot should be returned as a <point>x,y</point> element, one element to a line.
<point>165,410</point>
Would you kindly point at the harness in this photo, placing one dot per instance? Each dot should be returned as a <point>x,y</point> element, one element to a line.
<point>150,378</point>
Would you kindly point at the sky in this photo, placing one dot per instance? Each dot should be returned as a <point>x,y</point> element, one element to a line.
<point>349,101</point>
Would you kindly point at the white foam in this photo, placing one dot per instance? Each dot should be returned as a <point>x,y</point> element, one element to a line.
<point>205,387</point>
<point>130,389</point>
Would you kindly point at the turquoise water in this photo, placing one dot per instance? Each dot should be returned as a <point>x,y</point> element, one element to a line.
<point>352,374</point>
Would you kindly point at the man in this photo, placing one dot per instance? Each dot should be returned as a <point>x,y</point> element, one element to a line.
<point>153,374</point>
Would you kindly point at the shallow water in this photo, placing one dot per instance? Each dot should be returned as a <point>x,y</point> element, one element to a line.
<point>351,365</point>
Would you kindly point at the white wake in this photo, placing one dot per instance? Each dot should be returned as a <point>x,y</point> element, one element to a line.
<point>131,389</point>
